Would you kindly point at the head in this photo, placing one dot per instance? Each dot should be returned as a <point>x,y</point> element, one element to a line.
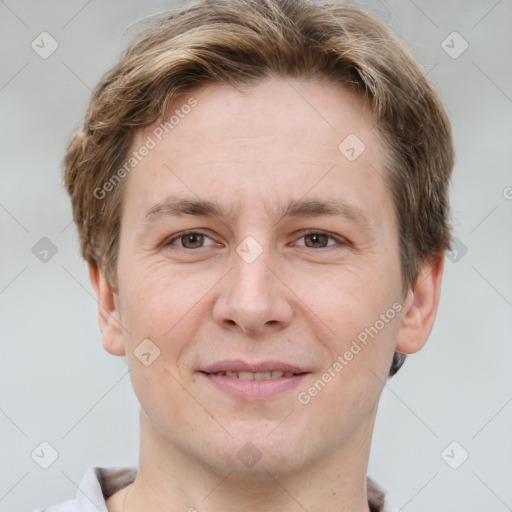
<point>245,121</point>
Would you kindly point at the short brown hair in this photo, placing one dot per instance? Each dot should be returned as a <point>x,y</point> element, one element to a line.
<point>239,42</point>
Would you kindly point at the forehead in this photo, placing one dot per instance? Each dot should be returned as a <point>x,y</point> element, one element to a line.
<point>278,140</point>
<point>316,112</point>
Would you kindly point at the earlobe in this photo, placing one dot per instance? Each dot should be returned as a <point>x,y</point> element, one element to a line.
<point>109,317</point>
<point>420,307</point>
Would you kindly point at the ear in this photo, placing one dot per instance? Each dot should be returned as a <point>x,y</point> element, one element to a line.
<point>420,307</point>
<point>109,316</point>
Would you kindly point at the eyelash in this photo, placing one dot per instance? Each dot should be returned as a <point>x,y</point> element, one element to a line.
<point>339,241</point>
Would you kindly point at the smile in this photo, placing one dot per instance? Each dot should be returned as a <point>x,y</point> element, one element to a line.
<point>243,375</point>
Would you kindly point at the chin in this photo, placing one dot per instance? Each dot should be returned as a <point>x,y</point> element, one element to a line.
<point>260,448</point>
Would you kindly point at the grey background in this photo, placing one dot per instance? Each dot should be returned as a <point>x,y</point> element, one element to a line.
<point>58,384</point>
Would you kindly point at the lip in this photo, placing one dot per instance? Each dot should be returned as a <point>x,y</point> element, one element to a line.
<point>257,389</point>
<point>253,389</point>
<point>234,365</point>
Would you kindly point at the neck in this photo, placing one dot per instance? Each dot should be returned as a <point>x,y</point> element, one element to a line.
<point>170,479</point>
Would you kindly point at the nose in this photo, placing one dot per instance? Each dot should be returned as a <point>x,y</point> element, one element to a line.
<point>253,297</point>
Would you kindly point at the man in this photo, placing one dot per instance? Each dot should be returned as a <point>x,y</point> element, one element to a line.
<point>260,189</point>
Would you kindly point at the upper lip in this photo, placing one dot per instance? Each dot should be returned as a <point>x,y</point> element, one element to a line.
<point>237,365</point>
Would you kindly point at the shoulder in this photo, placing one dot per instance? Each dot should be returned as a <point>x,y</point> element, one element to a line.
<point>67,506</point>
<point>97,485</point>
<point>378,499</point>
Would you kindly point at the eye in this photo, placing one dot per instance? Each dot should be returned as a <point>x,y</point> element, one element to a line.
<point>196,240</point>
<point>189,240</point>
<point>319,239</point>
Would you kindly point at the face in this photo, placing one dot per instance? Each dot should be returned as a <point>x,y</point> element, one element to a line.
<point>255,252</point>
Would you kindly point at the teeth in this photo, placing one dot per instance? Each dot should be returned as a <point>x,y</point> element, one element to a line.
<point>262,375</point>
<point>275,374</point>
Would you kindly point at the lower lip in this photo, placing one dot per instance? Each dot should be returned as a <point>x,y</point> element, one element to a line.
<point>257,389</point>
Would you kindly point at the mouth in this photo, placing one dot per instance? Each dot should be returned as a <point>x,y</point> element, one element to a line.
<point>253,381</point>
<point>242,375</point>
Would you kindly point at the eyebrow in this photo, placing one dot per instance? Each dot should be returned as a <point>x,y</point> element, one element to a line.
<point>179,206</point>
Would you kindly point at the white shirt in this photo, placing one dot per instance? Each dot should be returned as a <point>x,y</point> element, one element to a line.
<point>98,484</point>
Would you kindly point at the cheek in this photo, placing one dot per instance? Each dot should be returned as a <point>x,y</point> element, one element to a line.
<point>160,314</point>
<point>350,297</point>
<point>163,398</point>
<point>167,307</point>
<point>349,387</point>
<point>157,296</point>
<point>360,304</point>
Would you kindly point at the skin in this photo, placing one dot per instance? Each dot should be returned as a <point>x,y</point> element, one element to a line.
<point>302,301</point>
